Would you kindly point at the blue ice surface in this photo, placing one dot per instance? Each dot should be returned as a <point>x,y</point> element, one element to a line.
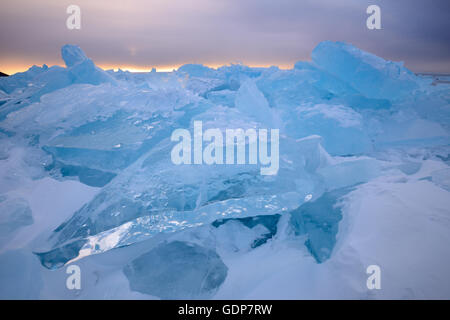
<point>72,55</point>
<point>319,221</point>
<point>368,74</point>
<point>15,214</point>
<point>19,276</point>
<point>111,130</point>
<point>177,270</point>
<point>270,222</point>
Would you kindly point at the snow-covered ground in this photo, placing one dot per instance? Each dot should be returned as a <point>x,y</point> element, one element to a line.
<point>86,179</point>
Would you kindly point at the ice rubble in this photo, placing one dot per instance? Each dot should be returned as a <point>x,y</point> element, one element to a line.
<point>348,120</point>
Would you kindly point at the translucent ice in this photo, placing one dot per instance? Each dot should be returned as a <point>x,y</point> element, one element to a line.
<point>347,120</point>
<point>72,55</point>
<point>250,101</point>
<point>340,127</point>
<point>319,220</point>
<point>371,75</point>
<point>266,227</point>
<point>177,270</point>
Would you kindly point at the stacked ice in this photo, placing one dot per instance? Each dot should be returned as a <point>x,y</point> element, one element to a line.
<point>86,168</point>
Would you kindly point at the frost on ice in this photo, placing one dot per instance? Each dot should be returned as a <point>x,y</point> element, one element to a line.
<point>361,139</point>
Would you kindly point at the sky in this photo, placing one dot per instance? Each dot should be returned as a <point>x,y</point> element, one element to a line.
<point>137,35</point>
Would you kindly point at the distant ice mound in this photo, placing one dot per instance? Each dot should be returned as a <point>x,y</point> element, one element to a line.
<point>371,75</point>
<point>72,55</point>
<point>348,122</point>
<point>37,81</point>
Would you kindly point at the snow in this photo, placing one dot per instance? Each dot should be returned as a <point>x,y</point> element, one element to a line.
<point>86,178</point>
<point>399,223</point>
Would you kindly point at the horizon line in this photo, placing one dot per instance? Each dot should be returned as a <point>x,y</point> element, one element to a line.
<point>170,68</point>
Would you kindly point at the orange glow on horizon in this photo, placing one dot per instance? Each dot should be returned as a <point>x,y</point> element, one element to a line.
<point>16,68</point>
<point>12,69</point>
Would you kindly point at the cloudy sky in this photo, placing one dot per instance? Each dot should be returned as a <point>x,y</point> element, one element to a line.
<point>141,34</point>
